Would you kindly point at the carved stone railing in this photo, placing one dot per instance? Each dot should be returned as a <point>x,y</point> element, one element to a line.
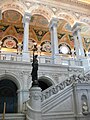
<point>41,59</point>
<point>25,106</point>
<point>10,56</point>
<point>70,81</point>
<point>61,86</point>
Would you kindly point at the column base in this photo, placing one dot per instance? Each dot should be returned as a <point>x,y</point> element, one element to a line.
<point>26,56</point>
<point>34,105</point>
<point>85,64</point>
<point>56,59</point>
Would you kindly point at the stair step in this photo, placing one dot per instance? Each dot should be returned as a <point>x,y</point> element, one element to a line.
<point>13,116</point>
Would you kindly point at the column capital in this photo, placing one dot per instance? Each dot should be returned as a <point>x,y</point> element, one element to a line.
<point>53,22</point>
<point>76,27</point>
<point>26,17</point>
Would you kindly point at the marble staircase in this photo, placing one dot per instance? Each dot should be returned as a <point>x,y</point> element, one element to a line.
<point>14,116</point>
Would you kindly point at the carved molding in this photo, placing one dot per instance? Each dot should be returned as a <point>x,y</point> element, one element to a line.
<point>71,81</point>
<point>49,10</point>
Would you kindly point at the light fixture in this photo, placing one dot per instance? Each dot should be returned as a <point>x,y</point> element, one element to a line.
<point>64,49</point>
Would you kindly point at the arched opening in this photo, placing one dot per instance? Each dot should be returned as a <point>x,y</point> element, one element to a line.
<point>8,95</point>
<point>44,83</point>
<point>11,34</point>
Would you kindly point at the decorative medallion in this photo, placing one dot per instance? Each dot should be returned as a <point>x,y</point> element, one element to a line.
<point>9,42</point>
<point>46,46</point>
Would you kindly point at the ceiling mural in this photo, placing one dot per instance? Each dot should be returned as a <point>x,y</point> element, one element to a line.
<point>39,21</point>
<point>11,25</point>
<point>12,17</point>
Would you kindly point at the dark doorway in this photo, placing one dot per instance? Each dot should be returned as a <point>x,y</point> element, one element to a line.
<point>44,84</point>
<point>8,94</point>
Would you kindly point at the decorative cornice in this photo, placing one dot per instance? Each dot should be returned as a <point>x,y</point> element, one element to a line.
<point>72,2</point>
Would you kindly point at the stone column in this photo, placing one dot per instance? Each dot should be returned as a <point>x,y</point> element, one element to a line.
<point>26,21</point>
<point>34,105</point>
<point>78,41</point>
<point>20,100</point>
<point>54,38</point>
<point>23,96</point>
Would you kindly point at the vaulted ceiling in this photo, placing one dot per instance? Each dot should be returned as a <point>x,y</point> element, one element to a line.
<point>11,24</point>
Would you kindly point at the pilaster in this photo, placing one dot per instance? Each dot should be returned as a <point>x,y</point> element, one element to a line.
<point>34,109</point>
<point>26,21</point>
<point>54,38</point>
<point>78,40</point>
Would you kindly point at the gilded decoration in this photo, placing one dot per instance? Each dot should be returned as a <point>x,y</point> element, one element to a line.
<point>31,44</point>
<point>60,35</point>
<point>11,25</point>
<point>46,46</point>
<point>39,21</point>
<point>12,16</point>
<point>9,42</point>
<point>87,42</point>
<point>19,29</point>
<point>3,27</point>
<point>40,33</point>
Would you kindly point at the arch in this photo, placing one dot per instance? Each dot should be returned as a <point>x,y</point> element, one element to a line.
<point>11,77</point>
<point>67,17</point>
<point>64,43</point>
<point>45,82</point>
<point>8,94</point>
<point>42,10</point>
<point>10,36</point>
<point>19,7</point>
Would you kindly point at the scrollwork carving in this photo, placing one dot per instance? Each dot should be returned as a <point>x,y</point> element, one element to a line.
<point>70,81</point>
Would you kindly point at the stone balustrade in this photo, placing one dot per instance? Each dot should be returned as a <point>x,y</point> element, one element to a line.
<point>41,59</point>
<point>61,86</point>
<point>70,81</point>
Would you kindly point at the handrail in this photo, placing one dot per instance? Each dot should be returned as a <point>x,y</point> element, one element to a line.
<point>61,86</point>
<point>42,59</point>
<point>55,89</point>
<point>3,117</point>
